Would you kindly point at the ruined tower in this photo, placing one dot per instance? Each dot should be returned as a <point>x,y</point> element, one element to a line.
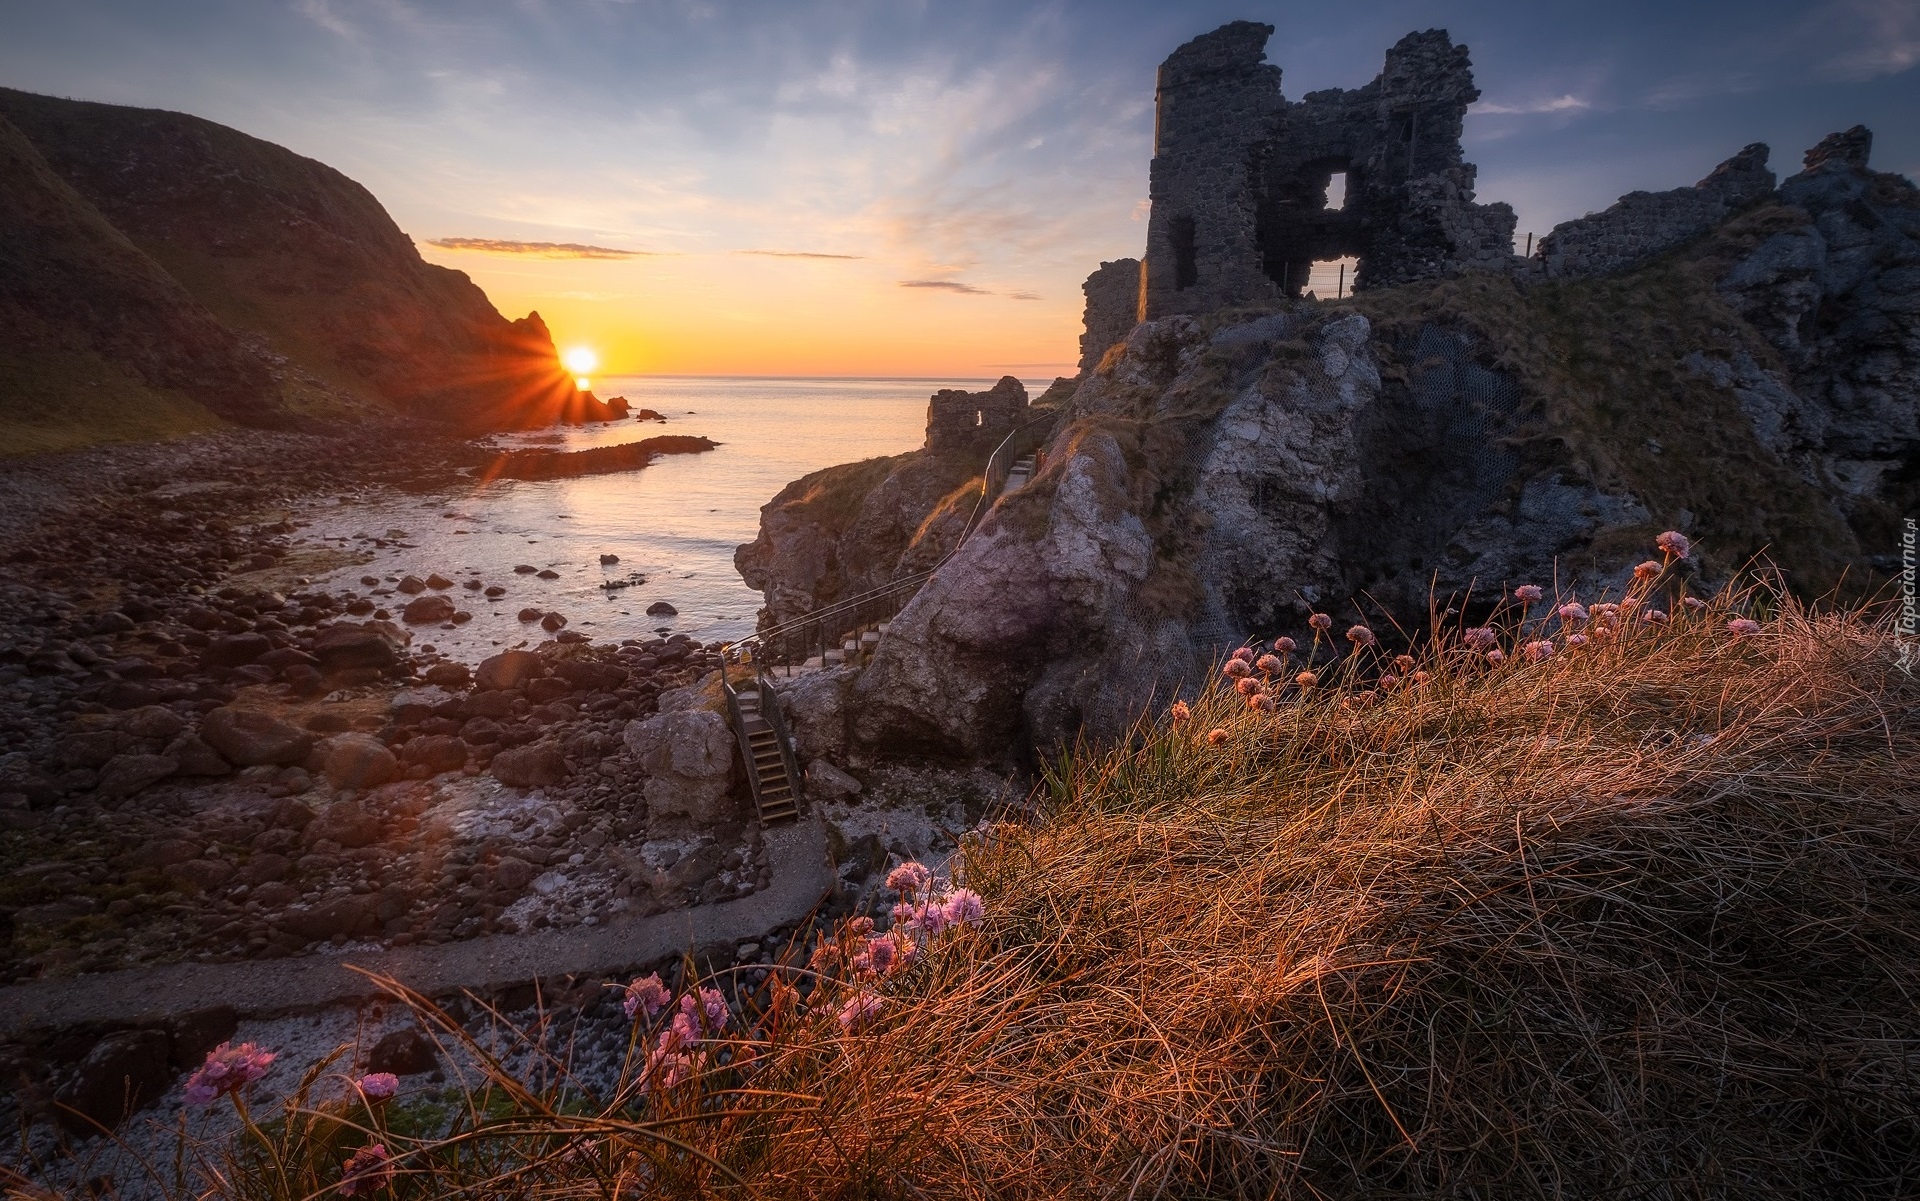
<point>1240,177</point>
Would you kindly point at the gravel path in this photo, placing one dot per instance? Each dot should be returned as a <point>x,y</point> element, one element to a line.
<point>802,875</point>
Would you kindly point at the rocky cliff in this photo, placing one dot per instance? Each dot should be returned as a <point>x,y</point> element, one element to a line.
<point>1223,476</point>
<point>307,273</point>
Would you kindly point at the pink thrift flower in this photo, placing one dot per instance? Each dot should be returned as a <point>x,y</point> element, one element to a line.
<point>1572,612</point>
<point>1605,610</point>
<point>1404,663</point>
<point>1285,646</point>
<point>965,907</point>
<point>1536,651</point>
<point>881,955</point>
<point>1244,654</point>
<point>366,1172</point>
<point>1261,704</point>
<point>1675,543</point>
<point>932,916</point>
<point>1321,622</point>
<point>1420,677</point>
<point>228,1069</point>
<point>859,1010</point>
<point>685,1028</point>
<point>1180,712</point>
<point>902,913</point>
<point>1247,687</point>
<point>1360,636</point>
<point>1496,655</point>
<point>1693,603</point>
<point>1480,638</point>
<point>1647,570</point>
<point>1267,664</point>
<point>909,877</point>
<point>1655,616</point>
<point>379,1086</point>
<point>1216,736</point>
<point>859,927</point>
<point>1743,627</point>
<point>1236,669</point>
<point>862,963</point>
<point>1576,639</point>
<point>1306,679</point>
<point>646,995</point>
<point>713,1005</point>
<point>1388,680</point>
<point>1527,594</point>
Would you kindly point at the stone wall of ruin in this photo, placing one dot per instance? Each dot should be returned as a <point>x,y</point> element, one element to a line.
<point>1112,310</point>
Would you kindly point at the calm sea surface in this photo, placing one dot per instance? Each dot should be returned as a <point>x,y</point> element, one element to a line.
<point>674,524</point>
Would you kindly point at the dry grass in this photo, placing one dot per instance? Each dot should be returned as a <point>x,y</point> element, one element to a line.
<point>1642,920</point>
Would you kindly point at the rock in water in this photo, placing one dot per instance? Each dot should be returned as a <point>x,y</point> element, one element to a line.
<point>509,669</point>
<point>430,609</point>
<point>662,609</point>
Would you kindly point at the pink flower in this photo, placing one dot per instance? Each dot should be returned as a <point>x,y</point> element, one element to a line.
<point>1605,610</point>
<point>1236,669</point>
<point>882,954</point>
<point>902,913</point>
<point>367,1171</point>
<point>1267,664</point>
<point>646,995</point>
<point>1360,636</point>
<point>1536,651</point>
<point>1180,712</point>
<point>1285,646</point>
<point>932,916</point>
<point>1573,611</point>
<point>1247,687</point>
<point>1576,639</point>
<point>1261,704</point>
<point>1404,663</point>
<point>1693,603</point>
<point>859,927</point>
<point>909,877</point>
<point>1675,543</point>
<point>1420,677</point>
<point>1496,655</point>
<point>678,1069</point>
<point>1655,616</point>
<point>1527,594</point>
<point>228,1069</point>
<point>685,1029</point>
<point>1743,627</point>
<point>1216,736</point>
<point>379,1086</point>
<point>710,1006</point>
<point>1244,654</point>
<point>1306,679</point>
<point>965,907</point>
<point>1647,571</point>
<point>859,1010</point>
<point>1480,638</point>
<point>1321,622</point>
<point>1388,680</point>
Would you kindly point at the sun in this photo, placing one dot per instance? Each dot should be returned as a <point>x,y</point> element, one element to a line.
<point>581,360</point>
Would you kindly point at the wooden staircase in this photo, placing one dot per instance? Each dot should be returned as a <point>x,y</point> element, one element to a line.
<point>1019,475</point>
<point>771,770</point>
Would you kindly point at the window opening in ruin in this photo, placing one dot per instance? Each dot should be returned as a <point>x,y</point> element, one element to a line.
<point>1186,267</point>
<point>1331,279</point>
<point>1337,191</point>
<point>979,417</point>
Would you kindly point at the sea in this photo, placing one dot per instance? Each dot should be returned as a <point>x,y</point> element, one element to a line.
<point>673,525</point>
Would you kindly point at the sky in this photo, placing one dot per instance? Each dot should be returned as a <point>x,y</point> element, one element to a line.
<point>910,187</point>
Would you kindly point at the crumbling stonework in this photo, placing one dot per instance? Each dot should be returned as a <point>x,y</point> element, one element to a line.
<point>1644,225</point>
<point>958,420</point>
<point>1240,176</point>
<point>1113,309</point>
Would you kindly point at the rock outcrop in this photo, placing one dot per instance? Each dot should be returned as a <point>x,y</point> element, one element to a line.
<point>1223,476</point>
<point>306,291</point>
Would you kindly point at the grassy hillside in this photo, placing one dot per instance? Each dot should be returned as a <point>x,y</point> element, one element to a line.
<point>1639,918</point>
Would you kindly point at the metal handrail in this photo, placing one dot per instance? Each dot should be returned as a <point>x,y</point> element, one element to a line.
<point>739,722</point>
<point>999,463</point>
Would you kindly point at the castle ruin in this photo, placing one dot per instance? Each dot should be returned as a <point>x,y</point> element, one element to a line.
<point>968,421</point>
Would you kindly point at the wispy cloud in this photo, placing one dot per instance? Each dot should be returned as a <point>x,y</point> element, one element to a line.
<point>322,14</point>
<point>1883,37</point>
<point>1024,296</point>
<point>1559,104</point>
<point>945,285</point>
<point>801,254</point>
<point>539,250</point>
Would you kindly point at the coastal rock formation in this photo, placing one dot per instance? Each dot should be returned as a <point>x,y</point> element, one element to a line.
<point>295,260</point>
<point>1224,475</point>
<point>1643,225</point>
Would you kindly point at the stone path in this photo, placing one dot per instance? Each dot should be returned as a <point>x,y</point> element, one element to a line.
<point>797,855</point>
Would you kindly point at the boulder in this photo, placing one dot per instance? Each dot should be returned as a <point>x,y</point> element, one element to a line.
<point>123,1071</point>
<point>235,650</point>
<point>89,748</point>
<point>345,823</point>
<point>591,676</point>
<point>373,644</point>
<point>826,779</point>
<point>815,706</point>
<point>125,775</point>
<point>512,874</point>
<point>154,721</point>
<point>204,875</point>
<point>436,580</point>
<point>509,669</point>
<point>535,765</point>
<point>196,758</point>
<point>412,585</point>
<point>435,752</point>
<point>358,761</point>
<point>351,916</point>
<point>403,1052</point>
<point>431,609</point>
<point>263,869</point>
<point>661,608</point>
<point>249,737</point>
<point>689,760</point>
<point>449,675</point>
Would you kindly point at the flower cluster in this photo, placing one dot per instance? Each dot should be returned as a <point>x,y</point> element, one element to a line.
<point>228,1069</point>
<point>700,1015</point>
<point>369,1170</point>
<point>379,1086</point>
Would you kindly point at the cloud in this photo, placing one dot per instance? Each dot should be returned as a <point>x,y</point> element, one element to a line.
<point>945,285</point>
<point>1884,37</point>
<point>321,14</point>
<point>801,254</point>
<point>539,250</point>
<point>1559,104</point>
<point>1025,295</point>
